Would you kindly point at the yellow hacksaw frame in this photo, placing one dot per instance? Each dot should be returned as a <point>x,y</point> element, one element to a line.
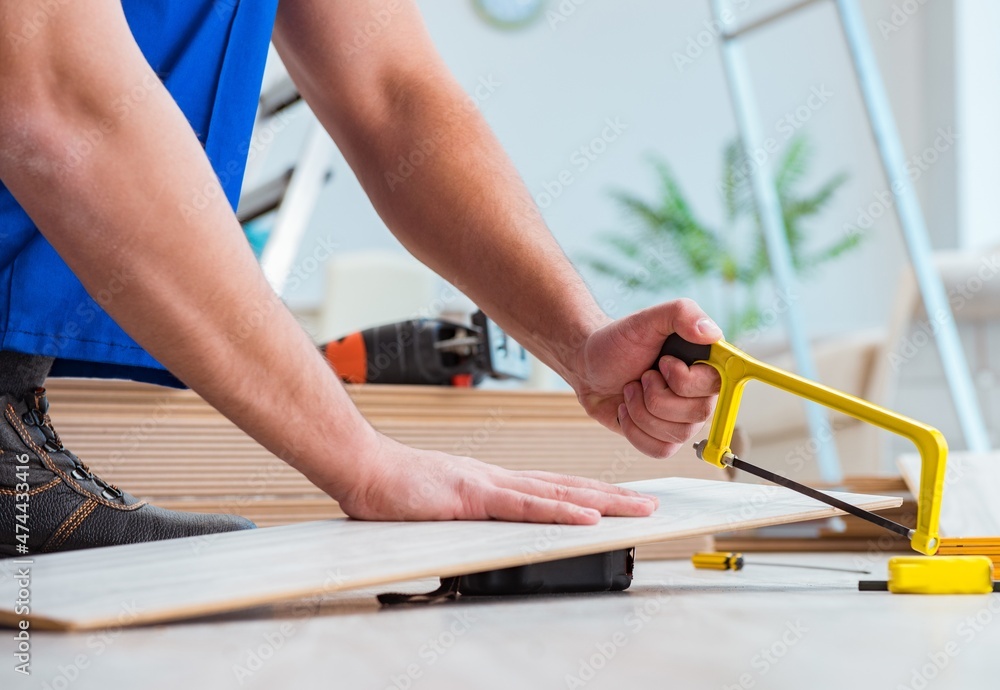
<point>736,368</point>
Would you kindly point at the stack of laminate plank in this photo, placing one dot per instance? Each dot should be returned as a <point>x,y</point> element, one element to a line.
<point>173,449</point>
<point>973,546</point>
<point>970,512</point>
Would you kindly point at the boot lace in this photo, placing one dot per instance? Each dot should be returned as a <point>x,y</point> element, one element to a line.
<point>38,416</point>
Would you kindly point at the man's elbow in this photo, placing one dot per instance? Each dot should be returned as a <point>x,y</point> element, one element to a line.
<point>34,140</point>
<point>68,88</point>
<point>49,129</point>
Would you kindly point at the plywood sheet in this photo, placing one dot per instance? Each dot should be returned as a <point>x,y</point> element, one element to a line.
<point>971,488</point>
<point>184,578</point>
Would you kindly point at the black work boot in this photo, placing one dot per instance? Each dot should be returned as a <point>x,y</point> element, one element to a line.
<point>51,501</point>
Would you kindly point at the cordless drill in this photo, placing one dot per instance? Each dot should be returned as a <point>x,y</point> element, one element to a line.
<point>433,352</point>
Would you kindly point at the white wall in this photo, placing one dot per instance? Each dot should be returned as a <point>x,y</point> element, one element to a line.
<point>558,84</point>
<point>977,76</point>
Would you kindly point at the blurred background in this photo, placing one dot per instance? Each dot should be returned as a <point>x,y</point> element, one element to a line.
<point>618,117</point>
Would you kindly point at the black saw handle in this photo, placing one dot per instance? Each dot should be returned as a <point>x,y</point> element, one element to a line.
<point>686,351</point>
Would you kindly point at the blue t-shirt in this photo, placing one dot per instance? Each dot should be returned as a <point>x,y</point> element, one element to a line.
<point>210,55</point>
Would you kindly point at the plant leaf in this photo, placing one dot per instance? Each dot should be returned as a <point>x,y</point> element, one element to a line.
<point>793,165</point>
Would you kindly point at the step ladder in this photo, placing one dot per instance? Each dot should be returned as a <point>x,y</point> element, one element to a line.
<point>911,219</point>
<point>293,194</point>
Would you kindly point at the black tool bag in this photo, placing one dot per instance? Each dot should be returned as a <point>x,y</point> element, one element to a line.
<point>599,572</point>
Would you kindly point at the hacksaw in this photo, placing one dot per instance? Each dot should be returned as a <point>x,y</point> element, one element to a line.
<point>736,368</point>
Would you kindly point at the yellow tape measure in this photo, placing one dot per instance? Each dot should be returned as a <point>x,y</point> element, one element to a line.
<point>937,575</point>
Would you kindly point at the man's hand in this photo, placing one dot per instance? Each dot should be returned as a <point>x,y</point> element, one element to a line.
<point>656,410</point>
<point>402,483</point>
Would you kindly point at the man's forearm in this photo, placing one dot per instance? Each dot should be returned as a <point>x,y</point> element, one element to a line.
<point>467,214</point>
<point>198,301</point>
<point>461,208</point>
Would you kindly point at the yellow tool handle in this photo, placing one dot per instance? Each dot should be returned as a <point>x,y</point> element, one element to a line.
<point>717,560</point>
<point>736,368</point>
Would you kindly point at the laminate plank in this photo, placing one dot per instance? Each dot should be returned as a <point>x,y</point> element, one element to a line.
<point>184,578</point>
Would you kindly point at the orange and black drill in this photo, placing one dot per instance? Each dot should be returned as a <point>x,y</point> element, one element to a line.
<point>432,352</point>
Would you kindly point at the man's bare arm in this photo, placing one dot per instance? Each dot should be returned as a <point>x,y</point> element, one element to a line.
<point>121,210</point>
<point>464,211</point>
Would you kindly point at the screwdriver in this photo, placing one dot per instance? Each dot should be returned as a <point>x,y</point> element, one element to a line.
<point>719,560</point>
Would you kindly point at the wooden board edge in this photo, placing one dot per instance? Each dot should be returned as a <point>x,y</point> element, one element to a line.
<point>9,619</point>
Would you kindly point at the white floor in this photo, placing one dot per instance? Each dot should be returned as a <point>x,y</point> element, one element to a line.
<point>764,627</point>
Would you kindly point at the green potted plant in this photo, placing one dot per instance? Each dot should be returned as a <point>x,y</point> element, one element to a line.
<point>668,247</point>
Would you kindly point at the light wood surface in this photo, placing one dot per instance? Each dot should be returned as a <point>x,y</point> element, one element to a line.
<point>184,578</point>
<point>971,503</point>
<point>765,628</point>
